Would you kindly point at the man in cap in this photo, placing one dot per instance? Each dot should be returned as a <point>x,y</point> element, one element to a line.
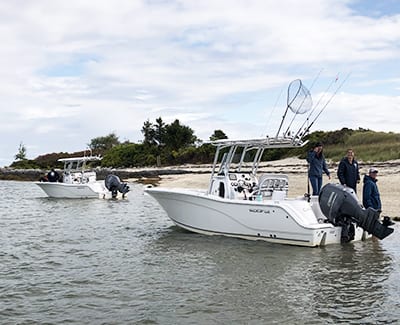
<point>371,197</point>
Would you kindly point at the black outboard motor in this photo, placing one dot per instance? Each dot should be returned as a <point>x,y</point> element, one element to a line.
<point>341,206</point>
<point>114,184</point>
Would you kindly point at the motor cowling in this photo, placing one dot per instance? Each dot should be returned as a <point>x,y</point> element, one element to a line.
<point>114,185</point>
<point>341,207</point>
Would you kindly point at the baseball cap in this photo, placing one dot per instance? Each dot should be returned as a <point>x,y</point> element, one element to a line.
<point>373,170</point>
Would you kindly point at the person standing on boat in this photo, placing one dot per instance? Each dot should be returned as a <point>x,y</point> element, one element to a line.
<point>371,197</point>
<point>316,167</point>
<point>348,172</point>
<point>53,176</point>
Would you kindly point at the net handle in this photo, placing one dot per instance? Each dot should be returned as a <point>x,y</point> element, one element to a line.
<point>289,103</point>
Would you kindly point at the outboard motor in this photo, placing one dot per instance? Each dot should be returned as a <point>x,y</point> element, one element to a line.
<point>341,206</point>
<point>114,184</point>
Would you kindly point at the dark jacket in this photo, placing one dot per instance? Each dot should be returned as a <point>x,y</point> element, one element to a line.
<point>348,174</point>
<point>53,176</point>
<point>317,164</point>
<point>371,197</point>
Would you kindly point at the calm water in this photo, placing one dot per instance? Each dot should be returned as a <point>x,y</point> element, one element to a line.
<point>123,262</point>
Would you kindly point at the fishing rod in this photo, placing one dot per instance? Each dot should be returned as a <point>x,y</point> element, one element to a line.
<point>294,116</point>
<point>306,95</point>
<point>327,103</point>
<point>316,78</point>
<point>288,104</point>
<point>301,134</point>
<point>273,109</point>
<point>315,107</point>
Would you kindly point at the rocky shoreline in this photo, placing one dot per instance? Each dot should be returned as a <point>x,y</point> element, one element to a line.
<point>289,165</point>
<point>30,175</point>
<point>197,176</point>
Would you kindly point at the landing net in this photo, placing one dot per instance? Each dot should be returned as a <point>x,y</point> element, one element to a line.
<point>299,101</point>
<point>299,98</point>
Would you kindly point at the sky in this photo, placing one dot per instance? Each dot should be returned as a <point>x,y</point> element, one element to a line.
<point>75,70</point>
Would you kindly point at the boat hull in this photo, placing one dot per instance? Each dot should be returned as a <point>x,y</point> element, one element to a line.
<point>72,191</point>
<point>289,221</point>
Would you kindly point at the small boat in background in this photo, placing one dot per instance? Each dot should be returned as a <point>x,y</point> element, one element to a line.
<point>78,181</point>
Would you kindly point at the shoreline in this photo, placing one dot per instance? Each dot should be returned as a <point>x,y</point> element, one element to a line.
<point>198,176</point>
<point>130,174</point>
<point>288,166</point>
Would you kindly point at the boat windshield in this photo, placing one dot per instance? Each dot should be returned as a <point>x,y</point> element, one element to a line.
<point>77,164</point>
<point>74,165</point>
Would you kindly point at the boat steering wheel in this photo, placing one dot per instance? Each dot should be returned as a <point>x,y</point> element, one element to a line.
<point>243,184</point>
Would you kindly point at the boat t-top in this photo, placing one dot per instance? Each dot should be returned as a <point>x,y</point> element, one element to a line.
<point>78,180</point>
<point>243,202</point>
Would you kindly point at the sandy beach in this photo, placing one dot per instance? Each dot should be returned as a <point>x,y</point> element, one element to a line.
<point>296,169</point>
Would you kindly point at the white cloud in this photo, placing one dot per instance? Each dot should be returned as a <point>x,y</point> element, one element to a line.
<point>72,71</point>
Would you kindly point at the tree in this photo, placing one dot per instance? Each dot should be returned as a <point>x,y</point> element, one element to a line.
<point>127,155</point>
<point>159,131</point>
<point>154,134</point>
<point>21,155</point>
<point>178,136</point>
<point>148,132</point>
<point>218,135</point>
<point>102,144</point>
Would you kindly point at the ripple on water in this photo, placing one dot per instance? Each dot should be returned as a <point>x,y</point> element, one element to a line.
<point>95,261</point>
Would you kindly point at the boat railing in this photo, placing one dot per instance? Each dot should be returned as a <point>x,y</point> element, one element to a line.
<point>236,152</point>
<point>272,186</point>
<point>267,142</point>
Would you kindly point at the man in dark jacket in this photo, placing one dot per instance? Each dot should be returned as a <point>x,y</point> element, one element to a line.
<point>316,167</point>
<point>371,197</point>
<point>53,176</point>
<point>348,172</point>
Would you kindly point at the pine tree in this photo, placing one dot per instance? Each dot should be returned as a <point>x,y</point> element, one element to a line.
<point>21,155</point>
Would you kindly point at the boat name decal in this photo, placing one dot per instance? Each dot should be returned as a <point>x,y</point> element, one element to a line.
<point>259,211</point>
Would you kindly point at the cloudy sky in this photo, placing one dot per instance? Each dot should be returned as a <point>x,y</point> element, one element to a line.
<point>75,70</point>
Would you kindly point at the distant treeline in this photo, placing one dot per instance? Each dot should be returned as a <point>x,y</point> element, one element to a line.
<point>175,144</point>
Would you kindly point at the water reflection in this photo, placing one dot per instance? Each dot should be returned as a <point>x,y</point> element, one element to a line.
<point>352,278</point>
<point>336,284</point>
